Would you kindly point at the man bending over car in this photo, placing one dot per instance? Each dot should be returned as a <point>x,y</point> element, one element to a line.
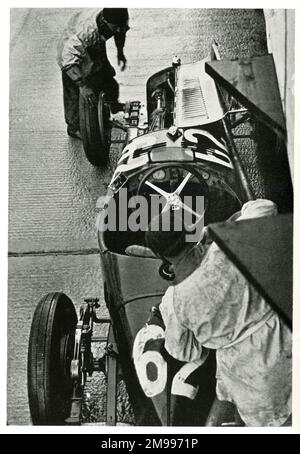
<point>83,60</point>
<point>212,305</point>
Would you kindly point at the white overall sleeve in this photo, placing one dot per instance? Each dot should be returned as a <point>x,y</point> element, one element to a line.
<point>180,342</point>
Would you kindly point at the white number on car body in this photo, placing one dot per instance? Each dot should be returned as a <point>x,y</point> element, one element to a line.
<point>144,361</point>
<point>151,367</point>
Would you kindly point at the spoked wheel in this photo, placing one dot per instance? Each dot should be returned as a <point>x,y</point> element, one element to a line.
<point>51,345</point>
<point>95,130</point>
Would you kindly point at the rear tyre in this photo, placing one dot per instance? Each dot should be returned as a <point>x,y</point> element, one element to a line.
<point>95,130</point>
<point>51,345</point>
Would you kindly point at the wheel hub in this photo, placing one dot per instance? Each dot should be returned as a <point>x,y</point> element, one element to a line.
<point>174,201</point>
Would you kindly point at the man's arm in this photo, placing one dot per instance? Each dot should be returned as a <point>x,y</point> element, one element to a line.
<point>73,54</point>
<point>180,342</point>
<point>72,50</point>
<point>120,43</point>
<point>75,73</point>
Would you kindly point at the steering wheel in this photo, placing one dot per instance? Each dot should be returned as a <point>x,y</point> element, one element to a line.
<point>179,176</point>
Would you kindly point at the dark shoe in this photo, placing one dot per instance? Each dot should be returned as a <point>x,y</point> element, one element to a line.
<point>75,133</point>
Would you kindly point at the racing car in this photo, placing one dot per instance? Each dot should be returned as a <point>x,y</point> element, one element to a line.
<point>184,150</point>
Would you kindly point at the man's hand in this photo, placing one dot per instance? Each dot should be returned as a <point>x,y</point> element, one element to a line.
<point>122,60</point>
<point>88,94</point>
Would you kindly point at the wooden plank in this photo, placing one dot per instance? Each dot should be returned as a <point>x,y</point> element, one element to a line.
<point>252,82</point>
<point>262,249</point>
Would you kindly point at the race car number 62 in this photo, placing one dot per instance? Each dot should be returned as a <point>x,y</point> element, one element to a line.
<point>151,367</point>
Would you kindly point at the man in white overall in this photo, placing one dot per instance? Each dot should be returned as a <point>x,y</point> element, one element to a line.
<point>212,305</point>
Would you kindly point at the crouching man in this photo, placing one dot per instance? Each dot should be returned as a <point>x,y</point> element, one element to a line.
<point>82,57</point>
<point>212,305</point>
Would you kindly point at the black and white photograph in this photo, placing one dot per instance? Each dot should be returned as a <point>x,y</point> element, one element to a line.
<point>150,217</point>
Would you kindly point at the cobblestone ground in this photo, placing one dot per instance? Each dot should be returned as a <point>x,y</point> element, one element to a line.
<point>53,189</point>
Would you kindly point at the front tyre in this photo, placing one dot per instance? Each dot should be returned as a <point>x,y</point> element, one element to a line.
<point>51,345</point>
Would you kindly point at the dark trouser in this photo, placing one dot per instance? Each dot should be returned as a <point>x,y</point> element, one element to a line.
<point>98,81</point>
